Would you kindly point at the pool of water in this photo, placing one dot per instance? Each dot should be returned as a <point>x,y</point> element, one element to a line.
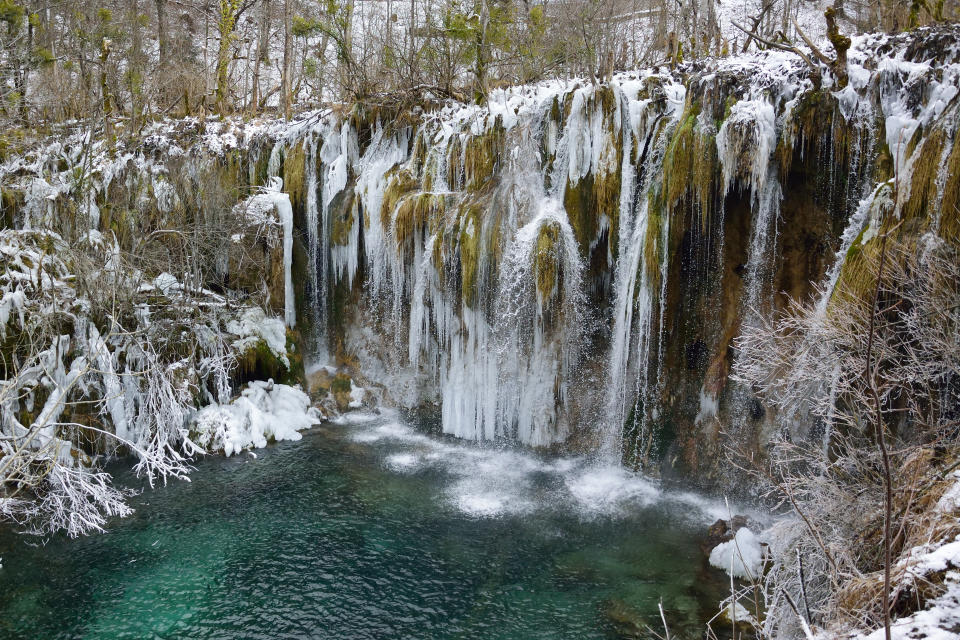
<point>370,529</point>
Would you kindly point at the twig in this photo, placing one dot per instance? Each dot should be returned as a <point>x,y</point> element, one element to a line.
<point>779,45</point>
<point>808,634</point>
<point>881,442</point>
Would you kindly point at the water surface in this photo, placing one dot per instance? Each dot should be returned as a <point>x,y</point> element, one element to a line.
<point>370,529</point>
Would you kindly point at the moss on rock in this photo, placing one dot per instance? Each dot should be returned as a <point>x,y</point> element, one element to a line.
<point>482,155</point>
<point>547,263</point>
<point>294,165</point>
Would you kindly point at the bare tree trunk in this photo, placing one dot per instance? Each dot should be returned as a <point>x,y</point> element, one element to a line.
<point>881,443</point>
<point>226,26</point>
<point>262,45</point>
<point>285,76</point>
<point>24,75</point>
<point>104,88</point>
<point>135,74</point>
<point>162,40</point>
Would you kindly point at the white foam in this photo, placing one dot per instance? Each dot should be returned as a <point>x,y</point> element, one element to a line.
<point>480,504</point>
<point>609,489</point>
<point>402,461</point>
<point>489,481</point>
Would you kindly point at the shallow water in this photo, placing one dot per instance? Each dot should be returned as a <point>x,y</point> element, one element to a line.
<point>369,529</point>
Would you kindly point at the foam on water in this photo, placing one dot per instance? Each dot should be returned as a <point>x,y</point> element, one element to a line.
<point>490,481</point>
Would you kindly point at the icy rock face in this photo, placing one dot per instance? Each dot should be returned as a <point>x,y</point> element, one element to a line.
<point>572,262</point>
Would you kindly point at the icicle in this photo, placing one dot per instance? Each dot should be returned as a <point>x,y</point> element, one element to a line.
<point>285,212</point>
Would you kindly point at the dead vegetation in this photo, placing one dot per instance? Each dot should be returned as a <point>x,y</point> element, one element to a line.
<point>878,378</point>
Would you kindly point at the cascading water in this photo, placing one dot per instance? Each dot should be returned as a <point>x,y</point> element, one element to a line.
<point>570,261</point>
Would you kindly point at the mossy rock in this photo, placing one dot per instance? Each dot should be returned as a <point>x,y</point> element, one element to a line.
<point>815,113</point>
<point>294,166</point>
<point>482,155</point>
<point>13,142</point>
<point>343,215</point>
<point>340,387</point>
<point>690,166</point>
<point>477,238</point>
<point>400,183</point>
<point>949,227</point>
<point>547,263</point>
<point>923,183</point>
<point>10,203</point>
<point>416,215</point>
<point>258,362</point>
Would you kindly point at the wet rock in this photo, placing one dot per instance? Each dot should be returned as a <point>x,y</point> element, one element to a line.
<point>723,531</point>
<point>626,620</point>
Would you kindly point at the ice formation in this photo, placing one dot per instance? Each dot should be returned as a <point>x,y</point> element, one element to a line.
<point>263,412</point>
<point>480,272</point>
<point>741,557</point>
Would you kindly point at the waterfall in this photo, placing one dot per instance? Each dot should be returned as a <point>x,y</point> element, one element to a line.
<point>571,261</point>
<point>316,265</point>
<point>633,319</point>
<point>745,145</point>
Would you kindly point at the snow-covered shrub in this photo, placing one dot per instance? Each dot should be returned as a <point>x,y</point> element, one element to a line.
<point>264,411</point>
<point>883,354</point>
<point>99,359</point>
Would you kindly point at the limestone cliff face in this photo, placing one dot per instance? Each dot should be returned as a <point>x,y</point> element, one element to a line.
<point>570,264</point>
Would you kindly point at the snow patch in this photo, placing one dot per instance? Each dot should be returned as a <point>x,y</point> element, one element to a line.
<point>253,326</point>
<point>264,411</point>
<point>741,557</point>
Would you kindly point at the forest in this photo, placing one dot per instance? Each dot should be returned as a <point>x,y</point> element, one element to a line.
<point>134,62</point>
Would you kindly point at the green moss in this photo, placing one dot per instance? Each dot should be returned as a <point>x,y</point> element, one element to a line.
<point>13,142</point>
<point>482,156</point>
<point>477,243</point>
<point>120,221</point>
<point>578,203</point>
<point>400,182</point>
<point>417,213</point>
<point>689,165</point>
<point>546,263</point>
<point>260,363</point>
<point>10,202</point>
<point>296,370</point>
<point>652,248</point>
<point>468,240</point>
<point>294,164</point>
<point>340,383</point>
<point>855,247</point>
<point>950,205</point>
<point>923,182</point>
<point>260,167</point>
<point>418,160</point>
<point>815,115</point>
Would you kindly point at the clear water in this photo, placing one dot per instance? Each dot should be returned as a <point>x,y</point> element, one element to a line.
<point>370,529</point>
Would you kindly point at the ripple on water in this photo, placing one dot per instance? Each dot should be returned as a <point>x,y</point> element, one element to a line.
<point>371,529</point>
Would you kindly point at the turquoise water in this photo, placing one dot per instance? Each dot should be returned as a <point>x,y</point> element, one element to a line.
<point>370,529</point>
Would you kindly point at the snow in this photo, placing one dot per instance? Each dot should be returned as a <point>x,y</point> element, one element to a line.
<point>285,211</point>
<point>940,618</point>
<point>252,326</point>
<point>939,621</point>
<point>950,501</point>
<point>741,557</point>
<point>264,411</point>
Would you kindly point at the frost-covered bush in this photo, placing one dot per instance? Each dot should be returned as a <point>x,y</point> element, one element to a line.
<point>883,354</point>
<point>100,359</point>
<point>264,411</point>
